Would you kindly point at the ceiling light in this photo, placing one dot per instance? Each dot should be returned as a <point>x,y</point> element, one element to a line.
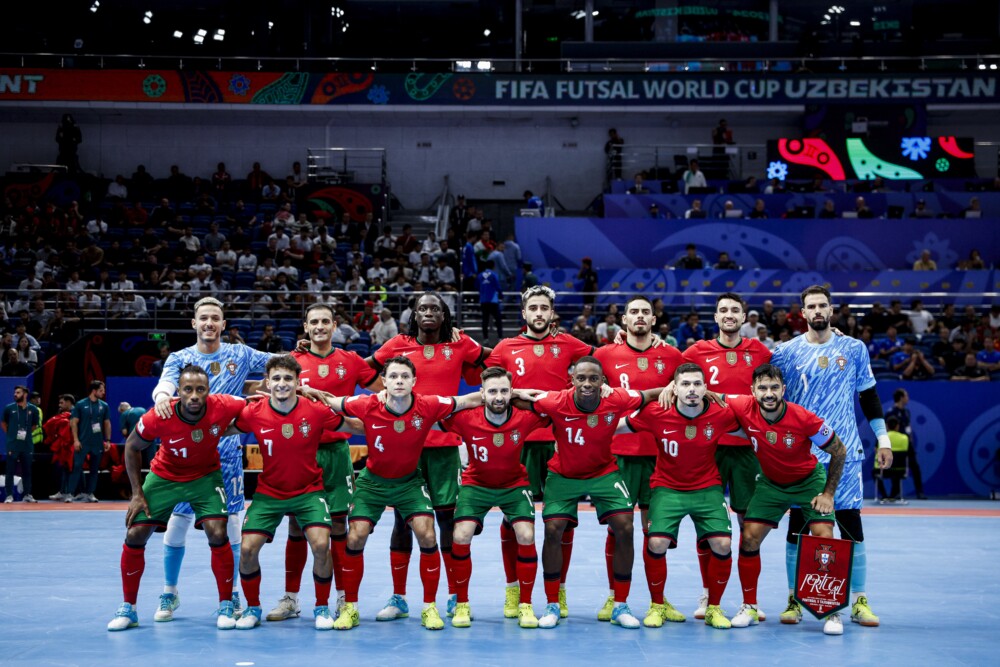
<point>147,18</point>
<point>486,66</point>
<point>219,35</point>
<point>486,33</point>
<point>178,34</point>
<point>94,7</point>
<point>855,24</point>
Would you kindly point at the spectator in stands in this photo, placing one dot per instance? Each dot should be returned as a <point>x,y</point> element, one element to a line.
<point>583,331</point>
<point>774,186</point>
<point>14,367</point>
<point>921,210</point>
<point>764,338</point>
<point>989,356</point>
<point>921,321</point>
<point>925,263</point>
<point>663,331</point>
<point>343,333</point>
<point>654,212</point>
<point>782,329</point>
<point>378,293</point>
<point>729,210</point>
<point>690,329</point>
<point>214,239</point>
<point>878,185</point>
<point>725,263</point>
<point>74,284</point>
<point>270,341</point>
<point>613,153</point>
<point>226,257</point>
<point>445,275</point>
<point>759,211</point>
<point>974,210</point>
<point>25,354</point>
<point>163,214</point>
<point>829,211</point>
<point>377,270</point>
<point>587,277</point>
<point>693,177</point>
<point>889,345</point>
<point>722,134</point>
<point>280,239</point>
<point>691,260</point>
<point>861,208</point>
<point>970,371</point>
<point>749,328</point>
<point>898,317</point>
<point>973,263</point>
<point>221,182</point>
<point>288,270</point>
<point>298,177</point>
<point>365,319</point>
<point>877,319</point>
<point>638,186</point>
<point>695,212</point>
<point>200,265</point>
<point>284,217</point>
<point>68,138</point>
<point>257,178</point>
<point>137,215</point>
<point>247,261</point>
<point>796,319</point>
<point>271,191</point>
<point>117,189</point>
<point>994,317</point>
<point>385,328</point>
<point>910,363</point>
<point>607,329</point>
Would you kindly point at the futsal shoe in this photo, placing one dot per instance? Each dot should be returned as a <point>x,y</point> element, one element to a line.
<point>604,613</point>
<point>563,607</point>
<point>761,616</point>
<point>226,616</point>
<point>125,618</point>
<point>833,625</point>
<point>792,613</point>
<point>526,616</point>
<point>452,603</point>
<point>395,608</point>
<point>862,613</point>
<point>430,618</point>
<point>702,609</point>
<point>168,604</point>
<point>550,618</point>
<point>715,617</point>
<point>28,498</point>
<point>58,496</point>
<point>250,618</point>
<point>286,608</point>
<point>511,601</point>
<point>745,617</point>
<point>623,616</point>
<point>323,619</point>
<point>462,617</point>
<point>8,499</point>
<point>348,618</point>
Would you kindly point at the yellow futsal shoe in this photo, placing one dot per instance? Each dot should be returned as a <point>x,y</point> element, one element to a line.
<point>563,607</point>
<point>604,613</point>
<point>462,618</point>
<point>349,617</point>
<point>431,619</point>
<point>862,613</point>
<point>715,617</point>
<point>526,616</point>
<point>512,596</point>
<point>792,613</point>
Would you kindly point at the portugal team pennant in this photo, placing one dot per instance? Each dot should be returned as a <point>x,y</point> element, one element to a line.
<point>823,574</point>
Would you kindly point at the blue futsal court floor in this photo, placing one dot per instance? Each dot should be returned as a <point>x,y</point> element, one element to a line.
<point>932,579</point>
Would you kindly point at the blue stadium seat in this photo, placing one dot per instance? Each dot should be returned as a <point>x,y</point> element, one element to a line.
<point>360,348</point>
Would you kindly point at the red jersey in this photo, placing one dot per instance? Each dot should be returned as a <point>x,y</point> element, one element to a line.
<point>494,451</point>
<point>728,370</point>
<point>583,439</point>
<point>288,445</point>
<point>439,370</point>
<point>783,446</point>
<point>685,456</point>
<point>630,368</point>
<point>189,450</point>
<point>396,440</point>
<point>337,372</point>
<point>539,364</point>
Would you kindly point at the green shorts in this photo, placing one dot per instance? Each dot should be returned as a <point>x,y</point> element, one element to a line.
<point>636,471</point>
<point>334,460</point>
<point>517,504</point>
<point>770,501</point>
<point>309,509</point>
<point>608,493</point>
<point>441,468</point>
<point>535,456</point>
<point>739,469</point>
<point>706,507</point>
<point>372,494</point>
<point>206,495</point>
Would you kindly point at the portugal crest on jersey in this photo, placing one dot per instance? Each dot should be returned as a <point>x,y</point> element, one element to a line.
<point>593,420</point>
<point>842,363</point>
<point>748,358</point>
<point>214,430</point>
<point>609,418</point>
<point>772,437</point>
<point>731,358</point>
<point>659,366</point>
<point>287,430</point>
<point>323,370</point>
<point>399,426</point>
<point>304,428</point>
<point>498,439</point>
<point>789,440</point>
<point>690,431</point>
<point>447,352</point>
<point>231,367</point>
<point>197,435</point>
<point>515,437</point>
<point>709,430</point>
<point>417,422</point>
<point>555,351</point>
<point>642,363</point>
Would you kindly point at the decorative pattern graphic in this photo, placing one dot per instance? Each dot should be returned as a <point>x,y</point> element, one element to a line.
<point>950,146</point>
<point>464,89</point>
<point>424,91</point>
<point>378,95</point>
<point>778,170</point>
<point>916,148</point>
<point>199,87</point>
<point>812,153</point>
<point>154,86</point>
<point>239,85</point>
<point>289,89</point>
<point>332,86</point>
<point>942,164</point>
<point>867,165</point>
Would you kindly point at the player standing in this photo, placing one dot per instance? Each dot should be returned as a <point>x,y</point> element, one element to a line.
<point>495,478</point>
<point>186,468</point>
<point>337,372</point>
<point>396,431</point>
<point>537,359</point>
<point>289,430</point>
<point>729,362</point>
<point>823,372</point>
<point>228,366</point>
<point>686,482</point>
<point>637,365</point>
<point>782,435</point>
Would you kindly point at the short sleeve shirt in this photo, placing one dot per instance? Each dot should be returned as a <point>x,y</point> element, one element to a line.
<point>494,451</point>
<point>338,373</point>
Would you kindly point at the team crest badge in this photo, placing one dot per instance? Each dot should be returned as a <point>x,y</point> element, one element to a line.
<point>659,366</point>
<point>498,439</point>
<point>731,358</point>
<point>690,432</point>
<point>447,353</point>
<point>197,435</point>
<point>399,426</point>
<point>428,351</point>
<point>539,350</point>
<point>642,363</point>
<point>789,440</point>
<point>841,363</point>
<point>593,420</point>
<point>304,428</point>
<point>215,368</point>
<point>417,422</point>
<point>341,371</point>
<point>748,358</point>
<point>323,370</point>
<point>231,367</point>
<point>555,351</point>
<point>609,418</point>
<point>772,437</point>
<point>515,437</point>
<point>825,557</point>
<point>823,361</point>
<point>709,430</point>
<point>214,430</point>
<point>287,430</point>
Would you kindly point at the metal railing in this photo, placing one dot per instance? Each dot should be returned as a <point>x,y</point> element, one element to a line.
<point>717,161</point>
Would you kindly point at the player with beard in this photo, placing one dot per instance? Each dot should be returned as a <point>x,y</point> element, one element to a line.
<point>637,364</point>
<point>440,361</point>
<point>729,362</point>
<point>337,372</point>
<point>537,359</point>
<point>823,372</point>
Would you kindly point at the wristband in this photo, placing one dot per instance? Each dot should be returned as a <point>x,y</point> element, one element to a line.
<point>883,442</point>
<point>878,425</point>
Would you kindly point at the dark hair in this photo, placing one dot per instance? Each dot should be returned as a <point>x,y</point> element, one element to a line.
<point>285,361</point>
<point>21,386</point>
<point>194,369</point>
<point>892,422</point>
<point>688,367</point>
<point>898,394</point>
<point>638,297</point>
<point>96,384</point>
<point>402,361</point>
<point>728,295</point>
<point>446,325</point>
<point>589,360</point>
<point>767,371</point>
<point>318,306</point>
<point>815,289</point>
<point>494,372</point>
<point>67,397</point>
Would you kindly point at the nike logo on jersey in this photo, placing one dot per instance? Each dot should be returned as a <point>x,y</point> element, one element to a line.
<point>266,430</point>
<point>710,359</point>
<point>514,353</point>
<point>375,428</point>
<point>617,366</point>
<point>406,354</point>
<point>754,430</point>
<point>799,368</point>
<point>573,419</point>
<point>479,437</point>
<point>856,500</point>
<point>175,440</point>
<point>668,432</point>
